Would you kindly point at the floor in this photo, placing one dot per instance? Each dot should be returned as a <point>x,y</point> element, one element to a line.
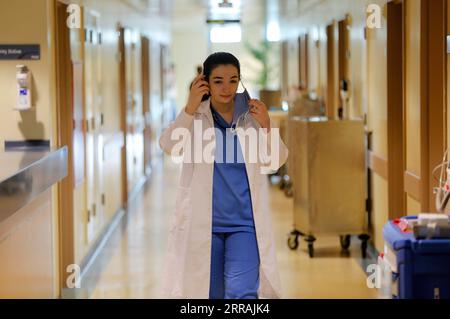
<point>130,264</point>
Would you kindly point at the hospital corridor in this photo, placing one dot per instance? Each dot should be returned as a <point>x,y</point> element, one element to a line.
<point>131,266</point>
<point>224,149</point>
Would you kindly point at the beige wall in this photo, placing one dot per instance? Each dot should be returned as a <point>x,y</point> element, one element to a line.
<point>186,60</point>
<point>292,54</point>
<point>27,269</point>
<point>23,16</point>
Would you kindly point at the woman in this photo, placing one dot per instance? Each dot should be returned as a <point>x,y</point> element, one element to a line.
<point>220,240</point>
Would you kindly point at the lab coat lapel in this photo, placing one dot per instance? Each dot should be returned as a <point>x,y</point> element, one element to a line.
<point>205,109</point>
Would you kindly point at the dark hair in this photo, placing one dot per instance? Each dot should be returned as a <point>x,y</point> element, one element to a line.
<point>216,59</point>
<point>219,58</point>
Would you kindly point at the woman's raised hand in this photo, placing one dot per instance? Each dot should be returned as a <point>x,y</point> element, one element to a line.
<point>199,88</point>
<point>259,111</point>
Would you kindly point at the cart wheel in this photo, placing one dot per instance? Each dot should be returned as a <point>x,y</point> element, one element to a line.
<point>274,179</point>
<point>311,250</point>
<point>364,239</point>
<point>364,249</point>
<point>293,242</point>
<point>282,185</point>
<point>310,240</point>
<point>288,190</point>
<point>345,241</point>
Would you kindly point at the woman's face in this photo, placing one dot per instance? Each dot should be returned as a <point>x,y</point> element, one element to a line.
<point>223,83</point>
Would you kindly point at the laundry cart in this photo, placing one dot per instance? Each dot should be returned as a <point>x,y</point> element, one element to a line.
<point>328,167</point>
<point>419,267</point>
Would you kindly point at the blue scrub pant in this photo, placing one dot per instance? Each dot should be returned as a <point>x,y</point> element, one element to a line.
<point>234,266</point>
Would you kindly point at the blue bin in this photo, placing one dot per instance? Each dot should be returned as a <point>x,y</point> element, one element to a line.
<point>422,266</point>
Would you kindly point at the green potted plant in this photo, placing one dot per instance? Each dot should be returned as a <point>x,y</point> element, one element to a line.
<point>261,53</point>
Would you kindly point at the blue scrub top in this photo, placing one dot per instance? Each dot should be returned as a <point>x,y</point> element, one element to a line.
<point>232,203</point>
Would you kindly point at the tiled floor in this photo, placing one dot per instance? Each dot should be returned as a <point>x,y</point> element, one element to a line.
<point>133,261</point>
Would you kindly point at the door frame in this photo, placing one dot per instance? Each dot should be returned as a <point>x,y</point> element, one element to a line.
<point>303,61</point>
<point>395,109</point>
<point>65,132</point>
<point>343,63</point>
<point>123,111</point>
<point>331,71</point>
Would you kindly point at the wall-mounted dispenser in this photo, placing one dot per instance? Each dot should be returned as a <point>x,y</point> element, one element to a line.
<point>23,90</point>
<point>345,98</point>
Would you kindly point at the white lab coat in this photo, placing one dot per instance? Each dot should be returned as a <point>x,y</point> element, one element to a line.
<point>188,256</point>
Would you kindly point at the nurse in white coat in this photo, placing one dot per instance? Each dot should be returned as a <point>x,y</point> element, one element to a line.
<point>220,241</point>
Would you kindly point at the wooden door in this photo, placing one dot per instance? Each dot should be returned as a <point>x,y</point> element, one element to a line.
<point>146,104</point>
<point>123,114</point>
<point>395,90</point>
<point>65,137</point>
<point>94,158</point>
<point>132,111</point>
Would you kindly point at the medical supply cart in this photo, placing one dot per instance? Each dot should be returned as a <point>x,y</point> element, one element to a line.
<point>420,266</point>
<point>328,167</point>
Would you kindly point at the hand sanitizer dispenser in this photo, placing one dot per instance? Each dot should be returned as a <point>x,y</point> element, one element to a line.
<point>23,94</point>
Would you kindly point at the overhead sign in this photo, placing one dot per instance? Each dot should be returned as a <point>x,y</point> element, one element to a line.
<point>20,51</point>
